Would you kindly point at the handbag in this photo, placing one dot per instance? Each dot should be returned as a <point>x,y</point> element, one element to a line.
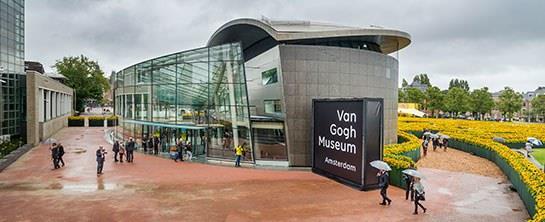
<point>422,196</point>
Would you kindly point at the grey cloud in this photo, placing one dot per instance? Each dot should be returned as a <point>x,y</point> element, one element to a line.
<point>493,43</point>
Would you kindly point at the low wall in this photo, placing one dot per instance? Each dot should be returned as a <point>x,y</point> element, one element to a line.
<point>13,156</point>
<point>47,129</point>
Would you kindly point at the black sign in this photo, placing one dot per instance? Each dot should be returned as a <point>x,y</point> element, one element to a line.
<point>339,129</point>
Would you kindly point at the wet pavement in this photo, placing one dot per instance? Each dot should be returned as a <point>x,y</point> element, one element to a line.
<point>158,189</point>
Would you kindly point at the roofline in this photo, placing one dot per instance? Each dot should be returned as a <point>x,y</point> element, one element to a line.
<point>388,36</point>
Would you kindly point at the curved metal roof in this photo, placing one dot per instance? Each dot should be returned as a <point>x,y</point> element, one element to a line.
<point>252,31</point>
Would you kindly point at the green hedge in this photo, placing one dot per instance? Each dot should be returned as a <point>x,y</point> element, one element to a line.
<point>111,122</point>
<point>513,175</point>
<point>76,122</point>
<point>96,123</point>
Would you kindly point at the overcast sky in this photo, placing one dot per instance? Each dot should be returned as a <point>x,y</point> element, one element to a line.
<point>489,43</point>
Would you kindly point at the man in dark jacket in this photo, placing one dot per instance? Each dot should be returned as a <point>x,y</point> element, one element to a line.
<point>145,144</point>
<point>115,149</point>
<point>131,146</point>
<point>383,183</point>
<point>61,153</point>
<point>155,145</point>
<point>409,187</point>
<point>100,157</point>
<point>55,155</point>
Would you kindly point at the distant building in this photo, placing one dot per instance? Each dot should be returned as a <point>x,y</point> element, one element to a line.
<point>12,69</point>
<point>417,85</point>
<point>56,76</point>
<point>525,114</point>
<point>49,103</point>
<point>34,66</point>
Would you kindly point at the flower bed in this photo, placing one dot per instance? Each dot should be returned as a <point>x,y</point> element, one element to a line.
<point>76,121</point>
<point>112,120</point>
<point>402,156</point>
<point>96,121</point>
<point>476,137</point>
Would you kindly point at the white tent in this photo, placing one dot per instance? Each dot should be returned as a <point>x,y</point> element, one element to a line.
<point>413,112</point>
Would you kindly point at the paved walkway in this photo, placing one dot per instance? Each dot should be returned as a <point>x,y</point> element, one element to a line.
<point>157,189</point>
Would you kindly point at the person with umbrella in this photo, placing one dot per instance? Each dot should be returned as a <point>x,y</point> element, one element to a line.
<point>425,146</point>
<point>383,179</point>
<point>528,148</point>
<point>409,181</point>
<point>55,155</point>
<point>444,142</point>
<point>61,154</point>
<point>420,195</point>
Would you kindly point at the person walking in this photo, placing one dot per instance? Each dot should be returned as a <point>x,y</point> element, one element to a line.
<point>61,154</point>
<point>445,144</point>
<point>383,179</point>
<point>425,146</point>
<point>420,195</point>
<point>150,144</point>
<point>409,190</point>
<point>238,153</point>
<point>145,144</point>
<point>121,152</point>
<point>131,146</point>
<point>100,157</point>
<point>188,150</point>
<point>115,149</point>
<point>155,145</point>
<point>435,143</point>
<point>180,151</point>
<point>55,155</point>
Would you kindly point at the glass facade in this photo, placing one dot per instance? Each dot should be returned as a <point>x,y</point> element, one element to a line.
<point>198,96</point>
<point>13,84</point>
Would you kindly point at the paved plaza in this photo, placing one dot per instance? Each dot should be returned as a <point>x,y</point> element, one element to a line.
<point>158,189</point>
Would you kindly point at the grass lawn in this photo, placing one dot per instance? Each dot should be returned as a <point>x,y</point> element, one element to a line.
<point>539,154</point>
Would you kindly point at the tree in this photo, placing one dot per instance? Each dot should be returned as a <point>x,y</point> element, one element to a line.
<point>510,102</point>
<point>481,102</point>
<point>404,83</point>
<point>463,84</point>
<point>457,101</point>
<point>435,99</point>
<point>84,76</point>
<point>402,96</point>
<point>538,105</point>
<point>422,78</point>
<point>414,95</point>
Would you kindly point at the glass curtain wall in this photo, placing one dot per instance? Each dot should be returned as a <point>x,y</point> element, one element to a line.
<point>198,96</point>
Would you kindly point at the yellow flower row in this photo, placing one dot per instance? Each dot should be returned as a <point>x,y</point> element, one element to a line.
<point>481,133</point>
<point>393,153</point>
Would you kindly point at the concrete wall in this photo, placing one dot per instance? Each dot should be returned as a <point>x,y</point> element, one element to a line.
<point>38,130</point>
<point>320,71</point>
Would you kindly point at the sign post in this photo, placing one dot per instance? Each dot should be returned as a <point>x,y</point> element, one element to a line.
<point>346,136</point>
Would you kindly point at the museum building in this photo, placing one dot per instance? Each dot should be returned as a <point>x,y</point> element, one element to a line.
<point>253,85</point>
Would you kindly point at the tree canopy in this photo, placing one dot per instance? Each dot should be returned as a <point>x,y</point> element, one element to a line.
<point>481,101</point>
<point>84,76</point>
<point>457,101</point>
<point>538,105</point>
<point>404,83</point>
<point>422,78</point>
<point>510,102</point>
<point>435,99</point>
<point>462,84</point>
<point>414,95</point>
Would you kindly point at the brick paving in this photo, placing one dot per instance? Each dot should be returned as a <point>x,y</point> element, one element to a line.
<point>157,189</point>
